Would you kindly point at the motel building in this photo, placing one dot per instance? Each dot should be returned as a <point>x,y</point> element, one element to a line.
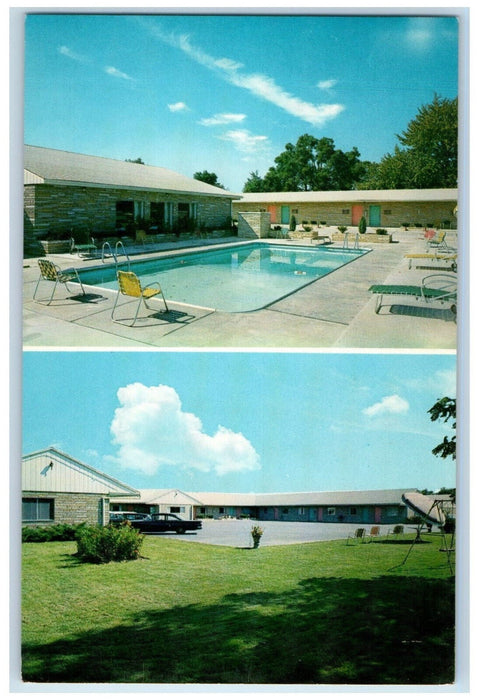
<point>57,488</point>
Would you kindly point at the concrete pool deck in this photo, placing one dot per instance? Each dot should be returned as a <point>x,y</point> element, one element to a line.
<point>336,311</point>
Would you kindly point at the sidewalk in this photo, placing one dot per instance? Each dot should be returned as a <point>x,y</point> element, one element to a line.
<point>336,311</point>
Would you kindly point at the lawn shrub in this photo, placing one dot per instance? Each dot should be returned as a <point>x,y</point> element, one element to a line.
<point>100,545</point>
<point>362,225</point>
<point>292,223</point>
<point>53,533</point>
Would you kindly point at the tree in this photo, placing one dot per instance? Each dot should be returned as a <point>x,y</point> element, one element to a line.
<point>432,141</point>
<point>137,160</point>
<point>445,409</point>
<point>209,178</point>
<point>427,156</point>
<point>310,164</point>
<point>254,183</point>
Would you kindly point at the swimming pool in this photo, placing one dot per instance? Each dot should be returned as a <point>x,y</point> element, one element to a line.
<point>235,278</point>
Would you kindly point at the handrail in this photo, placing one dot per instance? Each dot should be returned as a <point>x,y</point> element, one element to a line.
<point>119,244</point>
<point>105,245</point>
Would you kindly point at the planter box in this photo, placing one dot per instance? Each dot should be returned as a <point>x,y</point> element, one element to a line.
<point>364,238</point>
<point>55,246</point>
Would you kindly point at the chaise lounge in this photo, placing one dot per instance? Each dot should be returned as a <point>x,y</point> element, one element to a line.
<point>434,288</point>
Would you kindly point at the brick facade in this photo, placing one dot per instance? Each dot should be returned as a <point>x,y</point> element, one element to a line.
<point>93,209</point>
<point>392,214</point>
<point>254,224</point>
<point>73,508</point>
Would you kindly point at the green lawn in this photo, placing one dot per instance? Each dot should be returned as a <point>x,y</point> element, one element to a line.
<point>189,613</point>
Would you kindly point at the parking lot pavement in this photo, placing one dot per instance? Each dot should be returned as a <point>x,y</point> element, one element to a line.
<point>237,533</point>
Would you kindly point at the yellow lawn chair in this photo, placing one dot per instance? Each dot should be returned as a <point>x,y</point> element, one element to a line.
<point>49,272</point>
<point>129,285</point>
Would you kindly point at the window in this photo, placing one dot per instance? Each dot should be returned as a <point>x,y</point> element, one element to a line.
<point>301,510</point>
<point>37,509</point>
<point>177,509</point>
<point>353,511</point>
<point>388,212</point>
<point>345,211</point>
<point>125,214</point>
<point>331,511</point>
<point>285,511</point>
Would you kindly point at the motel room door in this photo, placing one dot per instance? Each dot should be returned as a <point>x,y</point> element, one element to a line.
<point>375,215</point>
<point>284,214</point>
<point>356,213</point>
<point>273,212</point>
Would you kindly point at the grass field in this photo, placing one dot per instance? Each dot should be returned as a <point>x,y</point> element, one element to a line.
<point>320,613</point>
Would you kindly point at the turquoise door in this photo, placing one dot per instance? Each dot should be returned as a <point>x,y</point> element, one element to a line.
<point>284,215</point>
<point>374,215</point>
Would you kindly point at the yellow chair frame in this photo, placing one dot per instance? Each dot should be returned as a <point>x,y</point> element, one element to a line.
<point>129,285</point>
<point>53,273</point>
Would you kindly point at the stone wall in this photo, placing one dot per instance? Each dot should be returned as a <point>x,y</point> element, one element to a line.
<point>393,214</point>
<point>74,508</point>
<point>94,208</point>
<point>254,224</point>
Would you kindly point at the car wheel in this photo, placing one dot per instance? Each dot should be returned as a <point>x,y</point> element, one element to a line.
<point>180,531</point>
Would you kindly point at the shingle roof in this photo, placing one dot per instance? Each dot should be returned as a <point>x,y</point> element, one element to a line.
<point>50,166</point>
<point>347,196</point>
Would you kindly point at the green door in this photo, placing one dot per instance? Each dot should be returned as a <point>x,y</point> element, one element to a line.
<point>284,215</point>
<point>375,215</point>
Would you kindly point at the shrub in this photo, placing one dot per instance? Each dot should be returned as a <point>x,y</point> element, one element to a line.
<point>100,545</point>
<point>381,231</point>
<point>256,534</point>
<point>323,223</point>
<point>342,229</point>
<point>292,223</point>
<point>406,225</point>
<point>362,225</point>
<point>417,225</point>
<point>52,533</point>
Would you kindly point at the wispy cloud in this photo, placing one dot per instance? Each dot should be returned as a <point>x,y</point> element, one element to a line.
<point>243,140</point>
<point>258,84</point>
<point>178,107</point>
<point>66,51</point>
<point>219,119</point>
<point>152,431</point>
<point>111,70</point>
<point>326,84</point>
<point>440,383</point>
<point>420,33</point>
<point>394,404</point>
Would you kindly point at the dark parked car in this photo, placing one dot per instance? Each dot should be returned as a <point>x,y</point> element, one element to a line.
<point>166,522</point>
<point>119,516</point>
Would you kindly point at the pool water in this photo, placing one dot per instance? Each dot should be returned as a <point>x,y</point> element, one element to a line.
<point>236,278</point>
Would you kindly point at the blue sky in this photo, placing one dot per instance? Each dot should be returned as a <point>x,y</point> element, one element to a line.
<point>226,93</point>
<point>241,421</point>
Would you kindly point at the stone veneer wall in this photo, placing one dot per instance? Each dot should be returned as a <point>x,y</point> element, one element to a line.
<point>393,214</point>
<point>74,508</point>
<point>94,208</point>
<point>254,224</point>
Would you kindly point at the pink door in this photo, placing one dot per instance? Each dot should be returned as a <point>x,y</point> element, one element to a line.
<point>377,514</point>
<point>357,212</point>
<point>273,213</point>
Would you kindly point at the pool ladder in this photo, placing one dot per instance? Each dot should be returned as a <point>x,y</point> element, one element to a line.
<point>346,241</point>
<point>114,254</point>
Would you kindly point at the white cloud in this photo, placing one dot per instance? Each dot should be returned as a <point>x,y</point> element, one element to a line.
<point>420,34</point>
<point>388,404</point>
<point>152,431</point>
<point>258,84</point>
<point>244,140</point>
<point>111,70</point>
<point>326,84</point>
<point>66,51</point>
<point>226,118</point>
<point>178,107</point>
<point>441,383</point>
